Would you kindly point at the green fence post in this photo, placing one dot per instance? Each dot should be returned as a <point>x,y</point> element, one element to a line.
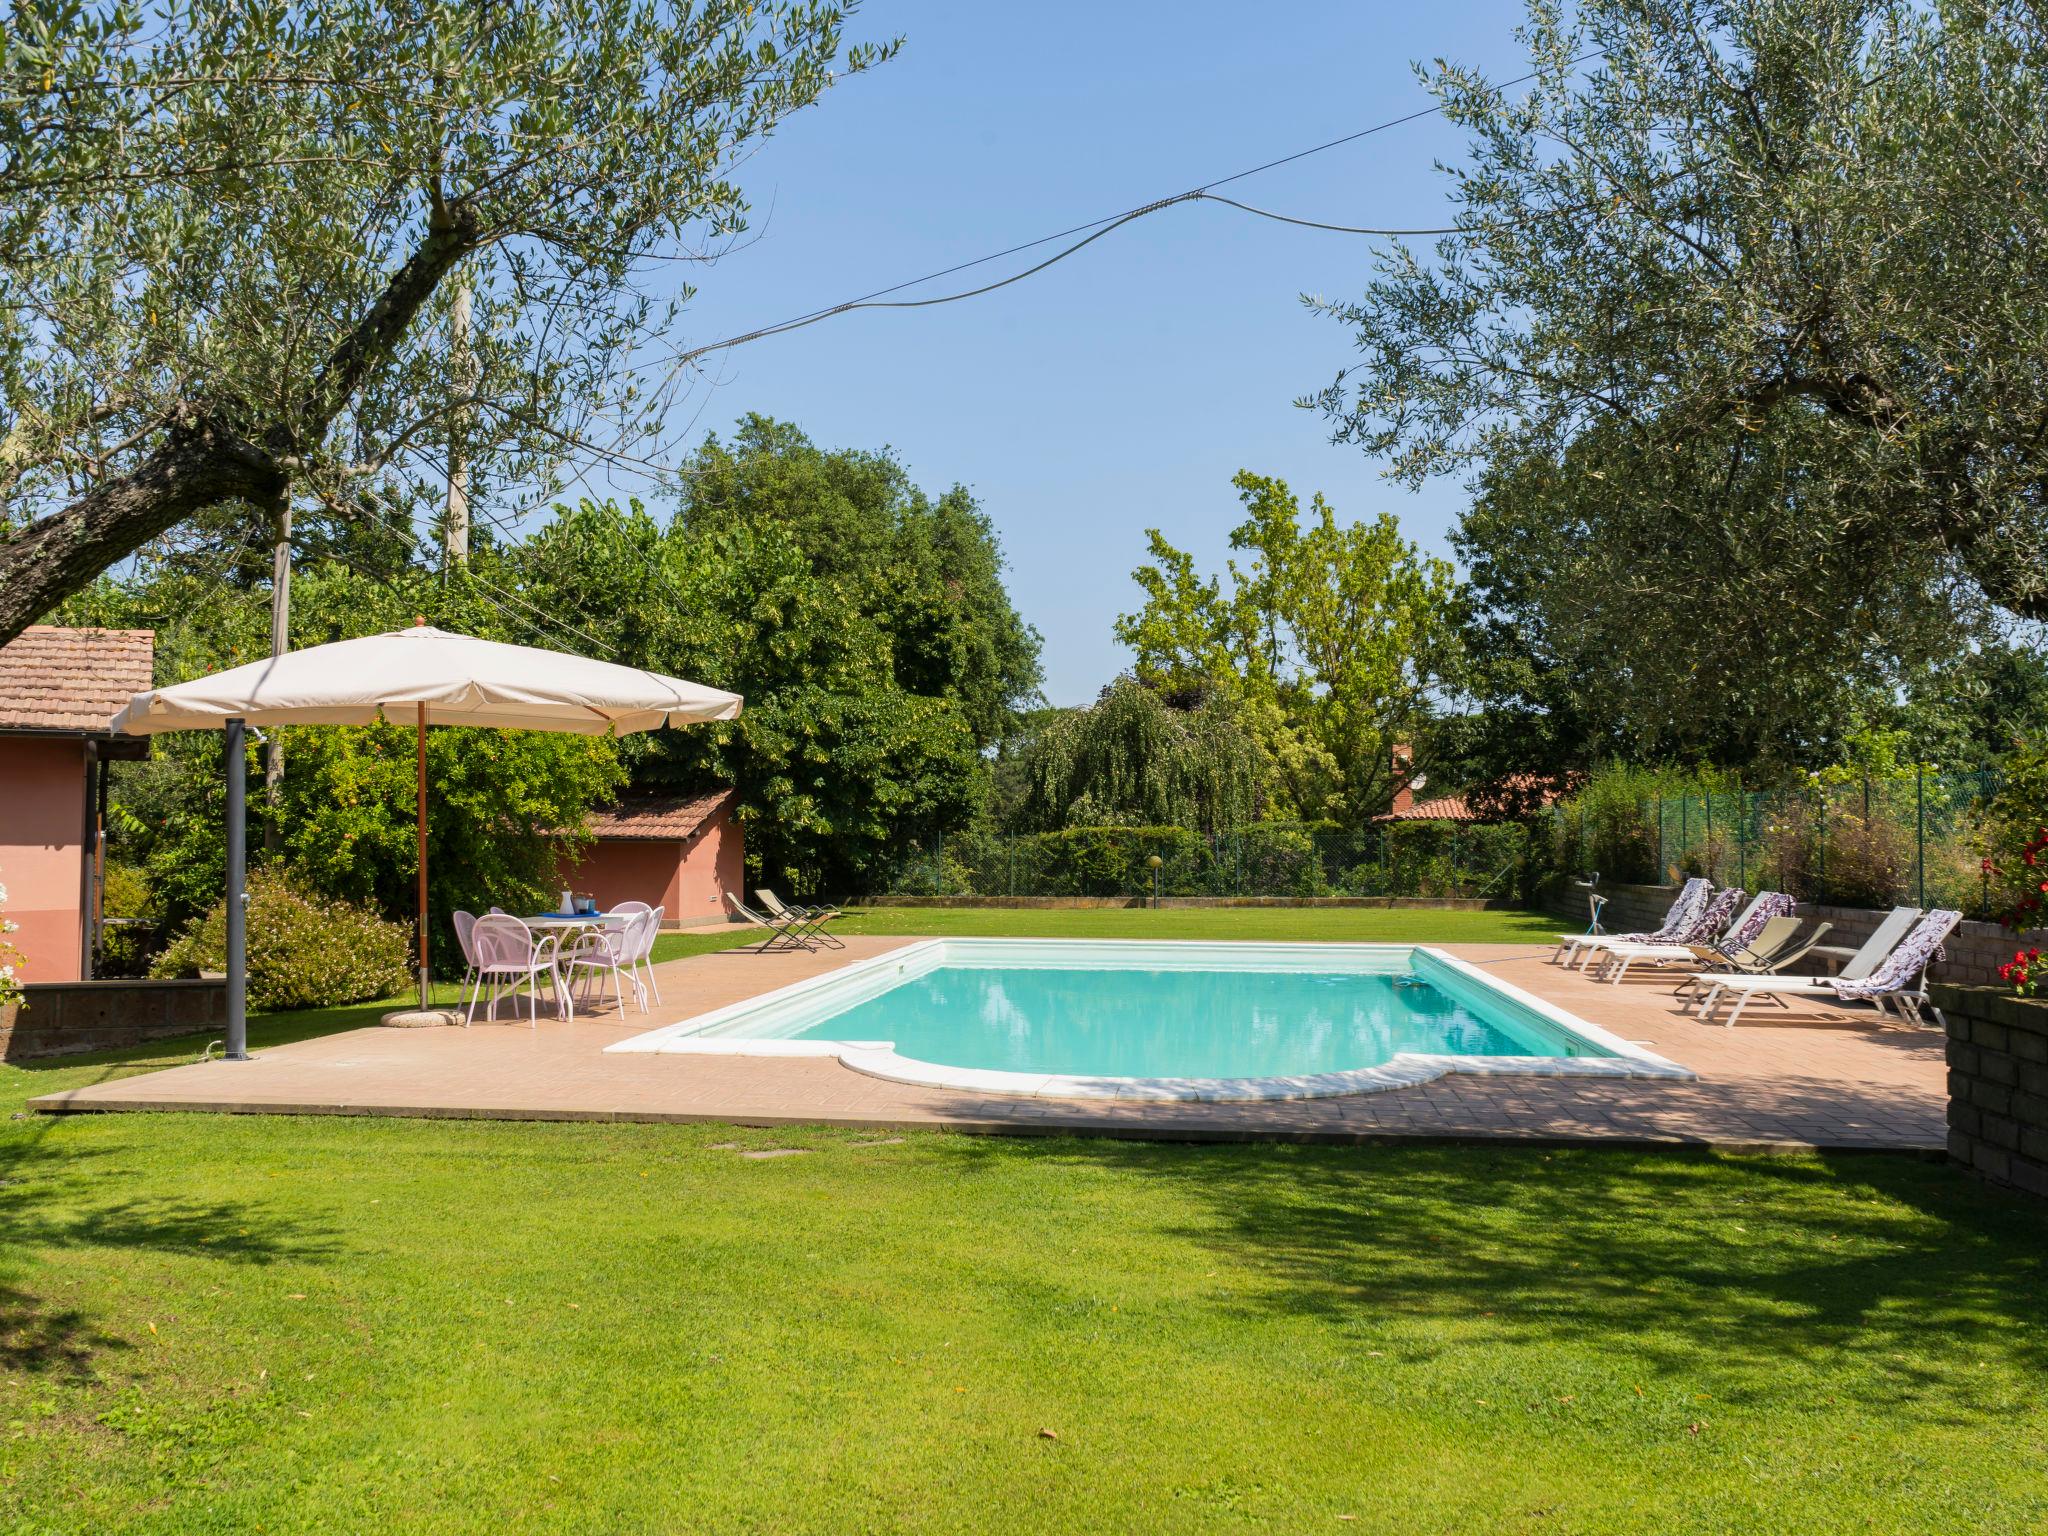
<point>1920,830</point>
<point>1684,824</point>
<point>1709,861</point>
<point>1820,843</point>
<point>1660,841</point>
<point>939,871</point>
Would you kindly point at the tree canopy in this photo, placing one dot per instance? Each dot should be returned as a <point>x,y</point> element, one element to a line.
<point>1133,759</point>
<point>1740,343</point>
<point>234,229</point>
<point>928,571</point>
<point>1341,638</point>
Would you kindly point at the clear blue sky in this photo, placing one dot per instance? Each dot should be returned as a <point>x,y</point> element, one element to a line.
<point>1121,389</point>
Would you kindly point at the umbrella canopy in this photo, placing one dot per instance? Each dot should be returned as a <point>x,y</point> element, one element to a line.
<point>459,679</point>
<point>422,676</point>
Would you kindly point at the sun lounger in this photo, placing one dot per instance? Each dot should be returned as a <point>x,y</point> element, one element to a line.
<point>1714,932</point>
<point>783,933</point>
<point>1777,947</point>
<point>1693,896</point>
<point>1890,934</point>
<point>1901,982</point>
<point>804,920</point>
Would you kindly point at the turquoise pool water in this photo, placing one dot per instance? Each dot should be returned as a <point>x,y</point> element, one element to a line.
<point>1176,1023</point>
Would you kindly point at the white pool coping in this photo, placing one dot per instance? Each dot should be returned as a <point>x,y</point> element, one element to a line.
<point>878,1058</point>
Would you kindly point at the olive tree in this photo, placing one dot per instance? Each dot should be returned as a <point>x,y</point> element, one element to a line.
<point>1740,344</point>
<point>234,229</point>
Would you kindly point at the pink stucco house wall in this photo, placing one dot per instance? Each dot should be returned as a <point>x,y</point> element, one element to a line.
<point>678,852</point>
<point>58,689</point>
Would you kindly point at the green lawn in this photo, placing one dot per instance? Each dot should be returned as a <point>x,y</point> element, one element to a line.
<point>1385,924</point>
<point>300,1324</point>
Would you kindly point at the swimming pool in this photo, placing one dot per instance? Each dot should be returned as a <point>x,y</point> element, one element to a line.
<point>1090,1018</point>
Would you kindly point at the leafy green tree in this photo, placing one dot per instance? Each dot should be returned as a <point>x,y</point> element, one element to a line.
<point>928,572</point>
<point>1132,759</point>
<point>234,230</point>
<point>1739,339</point>
<point>1341,638</point>
<point>836,762</point>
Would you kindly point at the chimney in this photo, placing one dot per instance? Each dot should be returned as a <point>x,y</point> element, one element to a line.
<point>1404,773</point>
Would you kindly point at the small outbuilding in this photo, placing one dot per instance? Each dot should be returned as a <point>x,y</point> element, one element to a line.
<point>59,689</point>
<point>678,852</point>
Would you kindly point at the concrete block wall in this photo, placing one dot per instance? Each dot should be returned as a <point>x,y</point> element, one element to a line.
<point>59,1018</point>
<point>1997,1084</point>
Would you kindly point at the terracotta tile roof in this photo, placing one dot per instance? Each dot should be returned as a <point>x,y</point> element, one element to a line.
<point>1445,808</point>
<point>56,679</point>
<point>1522,790</point>
<point>662,818</point>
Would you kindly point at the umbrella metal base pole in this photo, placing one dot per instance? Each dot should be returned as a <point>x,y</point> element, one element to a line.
<point>234,743</point>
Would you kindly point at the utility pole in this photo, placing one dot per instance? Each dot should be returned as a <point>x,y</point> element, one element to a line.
<point>280,642</point>
<point>461,368</point>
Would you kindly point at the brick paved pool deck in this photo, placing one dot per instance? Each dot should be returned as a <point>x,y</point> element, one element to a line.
<point>1809,1076</point>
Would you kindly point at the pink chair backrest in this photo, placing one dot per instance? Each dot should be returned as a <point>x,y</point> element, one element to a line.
<point>501,943</point>
<point>464,922</point>
<point>637,942</point>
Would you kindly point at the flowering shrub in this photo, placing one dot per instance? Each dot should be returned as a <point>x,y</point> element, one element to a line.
<point>10,957</point>
<point>2028,882</point>
<point>2020,971</point>
<point>304,952</point>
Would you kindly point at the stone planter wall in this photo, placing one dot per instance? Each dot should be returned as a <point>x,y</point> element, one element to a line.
<point>1997,1084</point>
<point>57,1018</point>
<point>1629,909</point>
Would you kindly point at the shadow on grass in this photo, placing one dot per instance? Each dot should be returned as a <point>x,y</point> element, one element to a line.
<point>1684,1261</point>
<point>39,1339</point>
<point>59,1192</point>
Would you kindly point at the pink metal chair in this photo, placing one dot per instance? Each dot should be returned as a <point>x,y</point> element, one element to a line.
<point>642,961</point>
<point>611,950</point>
<point>464,922</point>
<point>506,955</point>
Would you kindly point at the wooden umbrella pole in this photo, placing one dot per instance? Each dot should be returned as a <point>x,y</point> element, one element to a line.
<point>421,754</point>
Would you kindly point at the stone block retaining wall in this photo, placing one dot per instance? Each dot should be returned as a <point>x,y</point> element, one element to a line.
<point>57,1018</point>
<point>1997,1084</point>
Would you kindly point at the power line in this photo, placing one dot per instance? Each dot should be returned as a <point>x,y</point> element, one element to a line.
<point>1103,226</point>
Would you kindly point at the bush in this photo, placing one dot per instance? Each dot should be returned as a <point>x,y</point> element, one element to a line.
<point>303,952</point>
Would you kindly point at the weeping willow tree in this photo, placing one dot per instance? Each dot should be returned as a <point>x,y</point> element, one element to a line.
<point>1133,759</point>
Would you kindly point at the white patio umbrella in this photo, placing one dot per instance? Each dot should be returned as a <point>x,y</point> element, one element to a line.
<point>424,676</point>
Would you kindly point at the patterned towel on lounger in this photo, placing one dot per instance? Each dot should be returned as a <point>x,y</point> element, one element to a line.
<point>1919,950</point>
<point>1692,898</point>
<point>1769,905</point>
<point>1714,917</point>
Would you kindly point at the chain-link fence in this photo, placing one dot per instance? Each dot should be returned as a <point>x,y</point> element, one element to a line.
<point>1275,859</point>
<point>1916,837</point>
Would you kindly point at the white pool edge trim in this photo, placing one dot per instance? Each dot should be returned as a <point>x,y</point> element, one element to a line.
<point>879,1059</point>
